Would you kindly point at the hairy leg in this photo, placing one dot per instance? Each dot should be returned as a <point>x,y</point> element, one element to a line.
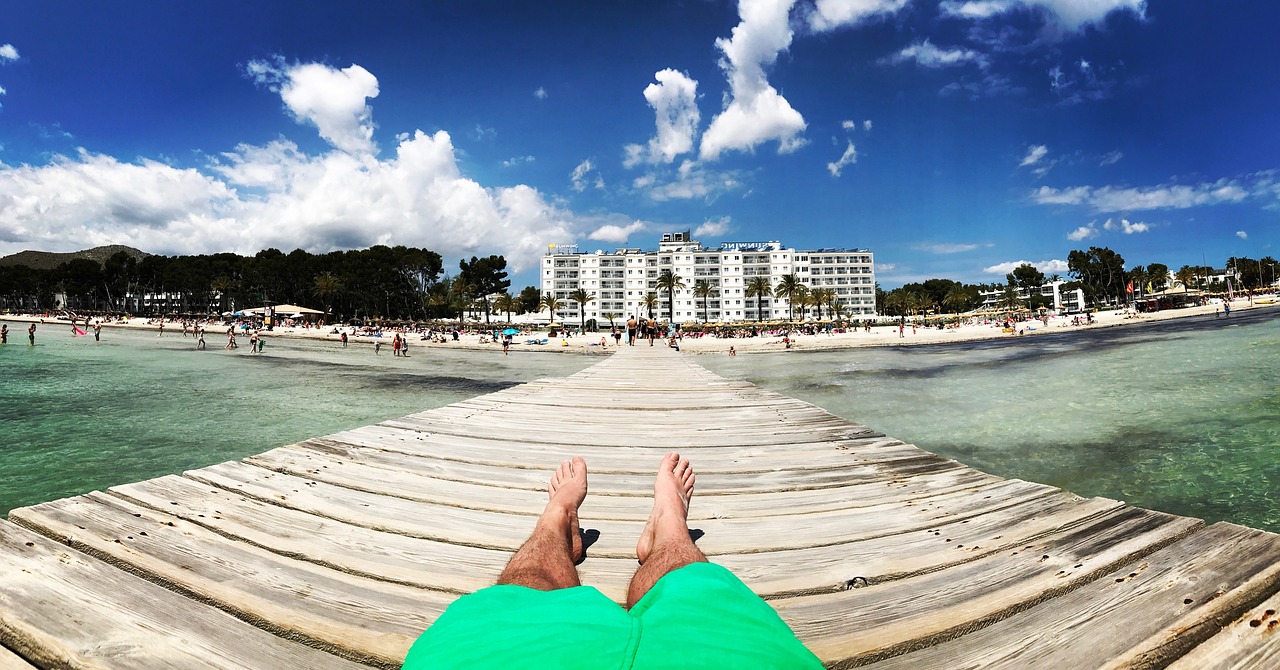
<point>546,560</point>
<point>664,544</point>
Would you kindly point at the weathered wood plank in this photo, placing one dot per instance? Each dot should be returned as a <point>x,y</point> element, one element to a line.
<point>1144,615</point>
<point>62,609</point>
<point>866,624</point>
<point>366,620</point>
<point>1251,642</point>
<point>722,536</point>
<point>11,661</point>
<point>360,476</point>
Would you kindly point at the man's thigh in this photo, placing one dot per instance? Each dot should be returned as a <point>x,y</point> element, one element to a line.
<point>517,627</point>
<point>702,616</point>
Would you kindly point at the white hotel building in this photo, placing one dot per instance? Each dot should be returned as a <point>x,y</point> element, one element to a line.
<point>620,280</point>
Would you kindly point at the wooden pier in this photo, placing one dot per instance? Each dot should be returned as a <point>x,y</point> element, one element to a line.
<point>336,552</point>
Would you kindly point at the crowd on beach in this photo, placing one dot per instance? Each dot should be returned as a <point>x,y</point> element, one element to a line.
<point>697,338</point>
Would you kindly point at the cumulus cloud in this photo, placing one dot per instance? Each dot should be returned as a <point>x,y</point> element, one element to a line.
<point>540,93</point>
<point>690,181</point>
<point>1070,15</point>
<point>674,101</point>
<point>849,157</point>
<point>832,14</point>
<point>1117,199</point>
<point>926,54</point>
<point>617,233</point>
<point>713,228</point>
<point>848,125</point>
<point>1047,267</point>
<point>517,160</point>
<point>1084,232</point>
<point>866,125</point>
<point>754,111</point>
<point>277,195</point>
<point>331,100</point>
<point>8,53</point>
<point>1125,226</point>
<point>1034,155</point>
<point>581,177</point>
<point>1242,235</point>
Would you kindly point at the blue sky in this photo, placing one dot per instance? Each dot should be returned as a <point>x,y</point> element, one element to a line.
<point>954,138</point>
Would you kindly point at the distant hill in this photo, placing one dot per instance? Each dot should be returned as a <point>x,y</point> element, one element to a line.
<point>47,260</point>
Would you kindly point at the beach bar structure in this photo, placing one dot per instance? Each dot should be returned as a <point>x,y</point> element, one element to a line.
<point>336,552</point>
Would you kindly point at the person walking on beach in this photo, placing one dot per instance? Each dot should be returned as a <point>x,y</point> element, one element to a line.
<point>693,613</point>
<point>506,344</point>
<point>395,345</point>
<point>200,338</point>
<point>31,335</point>
<point>631,331</point>
<point>253,342</point>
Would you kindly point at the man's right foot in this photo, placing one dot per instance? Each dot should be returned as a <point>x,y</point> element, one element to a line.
<point>566,491</point>
<point>672,489</point>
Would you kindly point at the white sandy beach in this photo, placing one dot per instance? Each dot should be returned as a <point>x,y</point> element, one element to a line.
<point>590,344</point>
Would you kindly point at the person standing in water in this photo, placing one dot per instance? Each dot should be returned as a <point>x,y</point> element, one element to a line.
<point>97,332</point>
<point>4,333</point>
<point>31,335</point>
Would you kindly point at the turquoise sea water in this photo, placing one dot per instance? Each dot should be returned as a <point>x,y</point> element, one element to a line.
<point>1180,416</point>
<point>78,415</point>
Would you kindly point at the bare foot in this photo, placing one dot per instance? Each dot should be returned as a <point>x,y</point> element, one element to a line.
<point>566,491</point>
<point>672,489</point>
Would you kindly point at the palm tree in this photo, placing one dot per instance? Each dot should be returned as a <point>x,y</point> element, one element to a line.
<point>550,303</point>
<point>1185,276</point>
<point>223,284</point>
<point>787,288</point>
<point>956,300</point>
<point>582,297</point>
<point>822,297</point>
<point>610,316</point>
<point>758,287</point>
<point>649,302</point>
<point>1010,298</point>
<point>703,290</point>
<point>802,299</point>
<point>506,303</point>
<point>670,282</point>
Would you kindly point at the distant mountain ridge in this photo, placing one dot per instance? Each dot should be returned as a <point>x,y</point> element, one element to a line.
<point>48,260</point>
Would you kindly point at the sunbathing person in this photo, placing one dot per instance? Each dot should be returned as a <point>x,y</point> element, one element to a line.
<point>682,611</point>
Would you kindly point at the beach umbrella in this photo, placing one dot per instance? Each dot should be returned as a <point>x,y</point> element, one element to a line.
<point>511,331</point>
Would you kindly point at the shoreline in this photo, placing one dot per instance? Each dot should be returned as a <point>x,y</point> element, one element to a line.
<point>589,344</point>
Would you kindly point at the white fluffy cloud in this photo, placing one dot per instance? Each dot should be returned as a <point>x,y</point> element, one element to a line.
<point>1242,235</point>
<point>691,180</point>
<point>1117,199</point>
<point>674,101</point>
<point>1084,232</point>
<point>8,52</point>
<point>1034,154</point>
<point>713,228</point>
<point>617,233</point>
<point>926,54</point>
<point>849,157</point>
<point>1125,226</point>
<point>1047,267</point>
<point>276,195</point>
<point>754,111</point>
<point>1070,14</point>
<point>331,100</point>
<point>831,14</point>
<point>581,177</point>
<point>540,93</point>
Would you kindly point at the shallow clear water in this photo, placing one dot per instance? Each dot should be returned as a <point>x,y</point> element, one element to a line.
<point>78,415</point>
<point>1180,416</point>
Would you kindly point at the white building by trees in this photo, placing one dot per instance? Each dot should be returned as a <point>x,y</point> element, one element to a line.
<point>714,284</point>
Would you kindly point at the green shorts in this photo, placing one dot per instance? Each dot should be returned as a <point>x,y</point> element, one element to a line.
<point>700,616</point>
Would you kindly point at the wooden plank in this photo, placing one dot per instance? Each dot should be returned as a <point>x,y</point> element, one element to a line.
<point>617,538</point>
<point>1251,642</point>
<point>418,562</point>
<point>866,624</point>
<point>11,661</point>
<point>1141,616</point>
<point>362,619</point>
<point>62,609</point>
<point>533,478</point>
<point>414,486</point>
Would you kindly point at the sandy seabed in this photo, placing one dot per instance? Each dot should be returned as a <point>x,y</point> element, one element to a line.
<point>885,335</point>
